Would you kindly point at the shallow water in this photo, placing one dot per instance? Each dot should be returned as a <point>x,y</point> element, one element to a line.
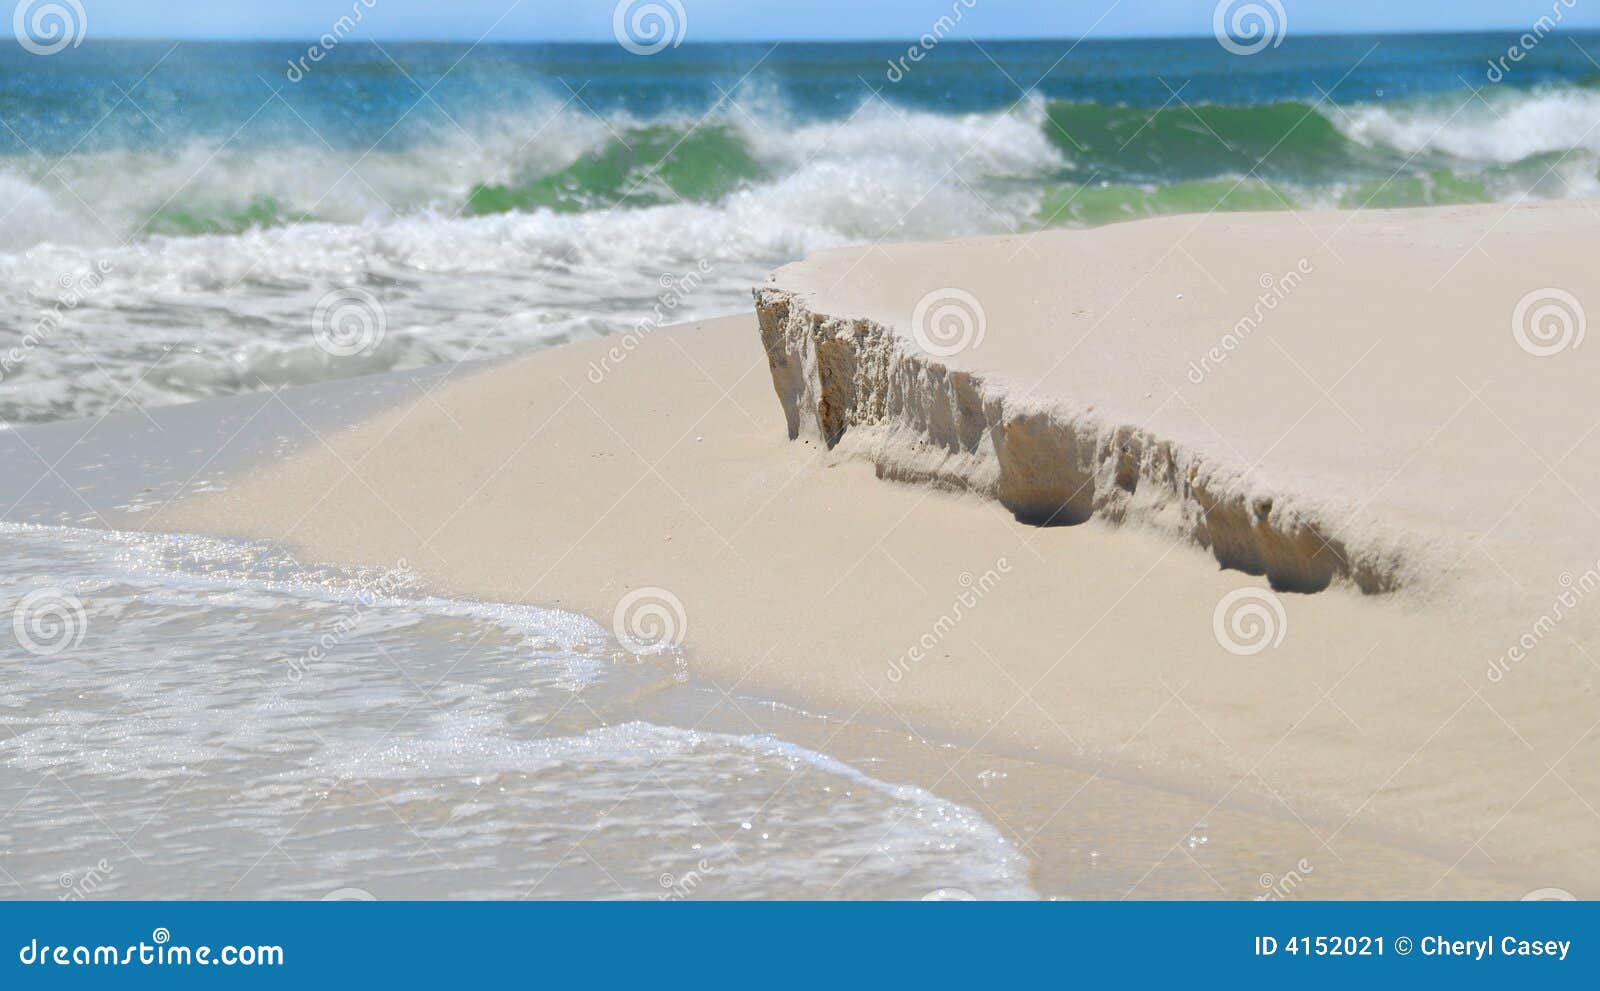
<point>186,717</point>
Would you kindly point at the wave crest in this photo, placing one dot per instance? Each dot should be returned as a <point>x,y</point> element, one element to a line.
<point>548,224</point>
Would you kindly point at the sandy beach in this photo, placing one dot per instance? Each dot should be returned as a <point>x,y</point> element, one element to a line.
<point>1030,532</point>
<point>810,460</point>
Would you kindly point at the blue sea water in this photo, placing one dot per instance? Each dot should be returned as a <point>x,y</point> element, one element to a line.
<point>180,220</point>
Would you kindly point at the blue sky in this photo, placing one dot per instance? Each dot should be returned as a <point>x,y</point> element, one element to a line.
<point>708,20</point>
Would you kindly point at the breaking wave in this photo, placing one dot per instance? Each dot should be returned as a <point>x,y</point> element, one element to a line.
<point>546,224</point>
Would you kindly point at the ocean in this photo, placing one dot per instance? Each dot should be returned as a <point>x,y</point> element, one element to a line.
<point>188,220</point>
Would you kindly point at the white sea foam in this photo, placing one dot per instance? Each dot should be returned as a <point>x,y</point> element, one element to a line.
<point>182,317</point>
<point>1489,128</point>
<point>179,317</point>
<point>439,748</point>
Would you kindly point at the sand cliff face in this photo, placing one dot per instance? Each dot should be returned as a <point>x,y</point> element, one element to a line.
<point>866,389</point>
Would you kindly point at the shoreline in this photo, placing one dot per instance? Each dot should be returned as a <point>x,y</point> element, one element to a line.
<point>1084,832</point>
<point>798,571</point>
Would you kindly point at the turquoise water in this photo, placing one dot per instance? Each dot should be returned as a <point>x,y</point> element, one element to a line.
<point>178,217</point>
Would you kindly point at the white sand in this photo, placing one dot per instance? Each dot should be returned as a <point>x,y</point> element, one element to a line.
<point>1320,397</point>
<point>1446,467</point>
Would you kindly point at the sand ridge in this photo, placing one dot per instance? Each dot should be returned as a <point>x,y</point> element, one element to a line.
<point>801,574</point>
<point>1277,389</point>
